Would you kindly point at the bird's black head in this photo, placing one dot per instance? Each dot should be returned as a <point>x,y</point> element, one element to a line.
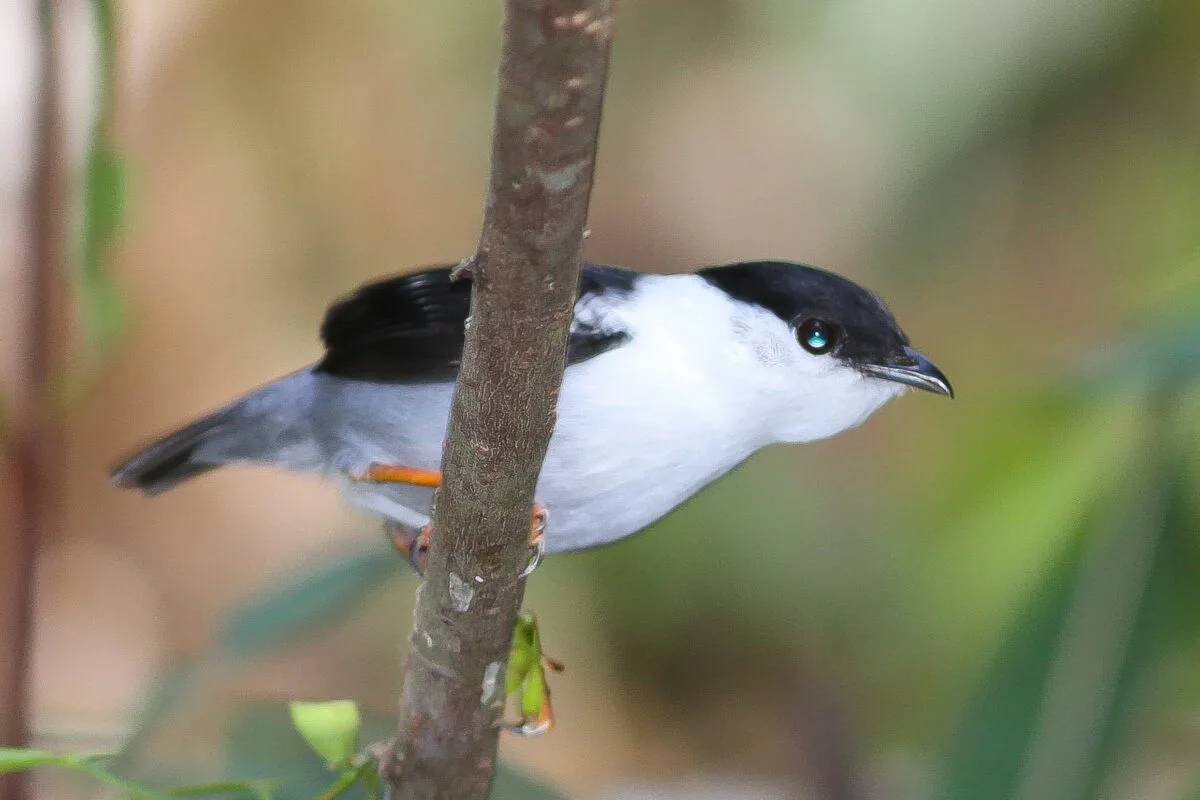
<point>831,315</point>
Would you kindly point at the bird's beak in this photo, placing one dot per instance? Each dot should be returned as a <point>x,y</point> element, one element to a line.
<point>912,369</point>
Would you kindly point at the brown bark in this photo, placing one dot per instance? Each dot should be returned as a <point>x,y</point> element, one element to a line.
<point>526,270</point>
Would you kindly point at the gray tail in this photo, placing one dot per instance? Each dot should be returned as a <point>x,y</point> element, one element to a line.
<point>172,459</point>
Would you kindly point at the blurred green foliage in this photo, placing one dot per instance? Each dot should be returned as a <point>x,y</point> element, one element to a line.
<point>277,616</point>
<point>1105,514</point>
<point>104,196</point>
<point>261,742</point>
<point>1056,705</point>
<point>303,605</point>
<point>94,767</point>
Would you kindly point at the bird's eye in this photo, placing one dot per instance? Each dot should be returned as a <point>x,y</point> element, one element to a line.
<point>817,336</point>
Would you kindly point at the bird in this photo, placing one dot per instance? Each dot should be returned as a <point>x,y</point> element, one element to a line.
<point>671,381</point>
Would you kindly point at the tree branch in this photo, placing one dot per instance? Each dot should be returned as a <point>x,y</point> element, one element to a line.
<point>526,273</point>
<point>32,433</point>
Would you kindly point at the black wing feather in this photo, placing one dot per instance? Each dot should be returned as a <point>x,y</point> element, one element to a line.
<point>411,328</point>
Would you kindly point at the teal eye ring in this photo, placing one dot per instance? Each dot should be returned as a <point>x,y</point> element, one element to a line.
<point>818,336</point>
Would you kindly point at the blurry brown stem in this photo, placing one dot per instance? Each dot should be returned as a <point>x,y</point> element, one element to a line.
<point>526,272</point>
<point>823,742</point>
<point>32,436</point>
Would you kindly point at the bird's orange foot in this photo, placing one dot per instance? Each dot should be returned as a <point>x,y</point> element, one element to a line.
<point>414,544</point>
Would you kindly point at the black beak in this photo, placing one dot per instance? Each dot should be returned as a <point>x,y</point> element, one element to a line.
<point>913,369</point>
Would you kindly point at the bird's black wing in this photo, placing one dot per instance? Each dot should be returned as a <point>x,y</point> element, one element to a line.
<point>410,328</point>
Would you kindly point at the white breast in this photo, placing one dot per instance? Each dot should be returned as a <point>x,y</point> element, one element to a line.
<point>643,427</point>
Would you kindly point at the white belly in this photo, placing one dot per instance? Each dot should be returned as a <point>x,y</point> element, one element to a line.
<point>620,459</point>
<point>617,461</point>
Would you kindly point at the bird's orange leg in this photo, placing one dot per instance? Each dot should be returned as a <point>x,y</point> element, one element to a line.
<point>394,473</point>
<point>414,545</point>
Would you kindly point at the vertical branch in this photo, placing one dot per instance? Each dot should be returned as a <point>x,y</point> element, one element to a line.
<point>526,273</point>
<point>31,434</point>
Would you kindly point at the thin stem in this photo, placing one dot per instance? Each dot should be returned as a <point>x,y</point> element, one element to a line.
<point>32,433</point>
<point>553,68</point>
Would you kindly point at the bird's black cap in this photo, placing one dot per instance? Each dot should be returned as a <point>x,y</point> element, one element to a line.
<point>870,339</point>
<point>795,292</point>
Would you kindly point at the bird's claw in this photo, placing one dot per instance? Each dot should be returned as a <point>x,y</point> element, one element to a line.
<point>463,269</point>
<point>537,539</point>
<point>414,545</point>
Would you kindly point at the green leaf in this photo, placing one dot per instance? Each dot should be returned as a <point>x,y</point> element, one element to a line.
<point>527,673</point>
<point>524,654</point>
<point>261,741</point>
<point>330,728</point>
<point>533,693</point>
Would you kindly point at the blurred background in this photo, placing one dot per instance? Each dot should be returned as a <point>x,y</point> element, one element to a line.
<point>994,597</point>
